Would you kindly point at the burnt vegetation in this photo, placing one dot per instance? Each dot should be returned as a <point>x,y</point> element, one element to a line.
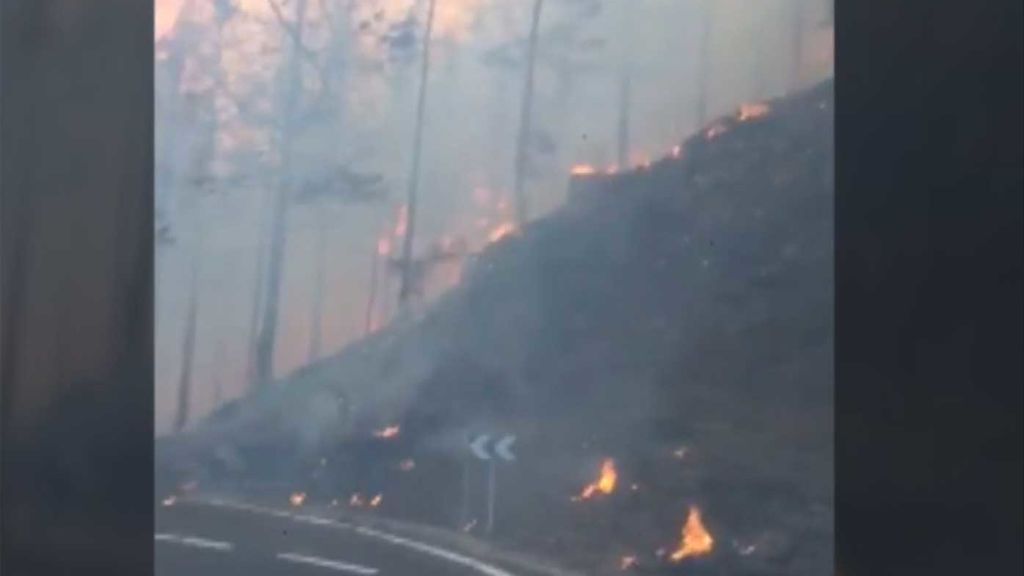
<point>676,318</point>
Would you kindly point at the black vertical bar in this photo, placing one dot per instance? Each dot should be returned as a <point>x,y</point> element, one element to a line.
<point>76,287</point>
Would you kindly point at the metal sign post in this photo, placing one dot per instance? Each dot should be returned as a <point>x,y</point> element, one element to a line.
<point>503,450</point>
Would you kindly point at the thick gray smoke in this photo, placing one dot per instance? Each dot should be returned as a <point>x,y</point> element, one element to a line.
<point>219,82</point>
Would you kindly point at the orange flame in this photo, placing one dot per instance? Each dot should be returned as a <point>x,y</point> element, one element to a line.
<point>388,431</point>
<point>297,498</point>
<point>605,483</point>
<point>696,541</point>
<point>627,562</point>
<point>376,501</point>
<point>582,170</point>
<point>752,111</point>
<point>500,231</point>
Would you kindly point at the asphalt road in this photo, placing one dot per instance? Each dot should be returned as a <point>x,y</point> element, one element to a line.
<point>210,540</point>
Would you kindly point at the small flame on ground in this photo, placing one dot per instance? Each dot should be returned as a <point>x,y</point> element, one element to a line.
<point>715,131</point>
<point>376,500</point>
<point>407,465</point>
<point>297,498</point>
<point>170,500</point>
<point>582,170</point>
<point>388,431</point>
<point>627,562</point>
<point>500,231</point>
<point>605,483</point>
<point>696,540</point>
<point>752,111</point>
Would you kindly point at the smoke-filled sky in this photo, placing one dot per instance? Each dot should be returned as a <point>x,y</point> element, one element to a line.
<point>368,51</point>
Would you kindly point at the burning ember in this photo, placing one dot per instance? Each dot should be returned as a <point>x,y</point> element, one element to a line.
<point>605,483</point>
<point>388,431</point>
<point>407,465</point>
<point>500,231</point>
<point>627,562</point>
<point>582,170</point>
<point>715,131</point>
<point>696,541</point>
<point>376,500</point>
<point>297,498</point>
<point>752,111</point>
<point>170,500</point>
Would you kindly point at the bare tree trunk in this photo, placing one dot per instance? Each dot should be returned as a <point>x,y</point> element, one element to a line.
<point>522,145</point>
<point>218,375</point>
<point>188,347</point>
<point>320,256</point>
<point>405,290</point>
<point>371,302</point>
<point>703,61</point>
<point>796,72</point>
<point>268,324</point>
<point>623,144</point>
<point>259,284</point>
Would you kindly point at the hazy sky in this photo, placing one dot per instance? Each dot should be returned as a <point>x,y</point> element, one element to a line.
<point>472,112</point>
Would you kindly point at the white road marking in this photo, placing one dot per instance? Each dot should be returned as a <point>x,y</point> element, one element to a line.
<point>332,564</point>
<point>317,521</point>
<point>194,542</point>
<point>448,555</point>
<point>454,557</point>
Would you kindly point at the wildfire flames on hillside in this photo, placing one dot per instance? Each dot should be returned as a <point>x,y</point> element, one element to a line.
<point>695,539</point>
<point>387,432</point>
<point>604,484</point>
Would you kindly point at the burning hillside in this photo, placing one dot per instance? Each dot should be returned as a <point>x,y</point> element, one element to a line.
<point>687,303</point>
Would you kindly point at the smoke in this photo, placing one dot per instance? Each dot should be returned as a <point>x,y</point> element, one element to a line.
<point>365,125</point>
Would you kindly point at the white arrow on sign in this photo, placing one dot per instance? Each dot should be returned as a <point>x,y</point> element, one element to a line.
<point>477,446</point>
<point>502,448</point>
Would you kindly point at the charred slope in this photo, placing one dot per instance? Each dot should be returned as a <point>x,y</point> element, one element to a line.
<point>675,318</point>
